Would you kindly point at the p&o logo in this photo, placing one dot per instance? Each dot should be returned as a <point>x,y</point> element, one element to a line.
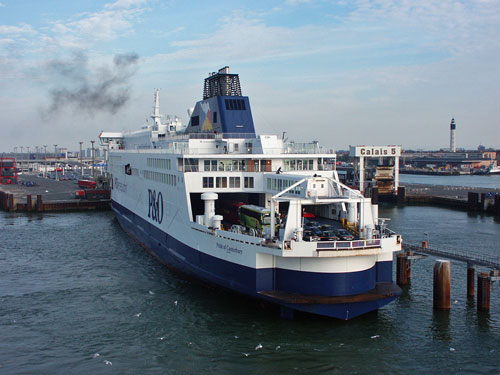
<point>155,206</point>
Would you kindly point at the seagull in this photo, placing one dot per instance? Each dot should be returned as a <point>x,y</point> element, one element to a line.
<point>108,363</point>
<point>278,348</point>
<point>375,337</point>
<point>236,337</point>
<point>138,315</point>
<point>258,347</point>
<point>245,354</point>
<point>96,355</point>
<point>175,303</point>
<point>151,292</point>
<point>452,349</point>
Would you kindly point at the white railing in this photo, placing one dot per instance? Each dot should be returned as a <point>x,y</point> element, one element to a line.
<point>348,245</point>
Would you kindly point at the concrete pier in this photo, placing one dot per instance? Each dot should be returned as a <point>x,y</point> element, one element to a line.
<point>472,199</point>
<point>442,284</point>
<point>50,195</point>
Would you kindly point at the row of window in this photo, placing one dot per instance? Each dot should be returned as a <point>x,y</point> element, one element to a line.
<point>278,184</point>
<point>158,163</point>
<point>222,182</point>
<point>236,165</point>
<point>164,178</point>
<point>235,105</point>
<point>298,165</point>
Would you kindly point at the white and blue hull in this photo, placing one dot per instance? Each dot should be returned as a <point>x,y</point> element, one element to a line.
<point>342,295</point>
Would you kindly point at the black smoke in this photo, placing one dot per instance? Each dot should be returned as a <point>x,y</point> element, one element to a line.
<point>85,88</point>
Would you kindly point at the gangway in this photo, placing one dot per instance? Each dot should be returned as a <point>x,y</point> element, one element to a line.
<point>463,256</point>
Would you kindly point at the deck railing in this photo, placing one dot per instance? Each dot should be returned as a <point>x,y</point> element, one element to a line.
<point>348,245</point>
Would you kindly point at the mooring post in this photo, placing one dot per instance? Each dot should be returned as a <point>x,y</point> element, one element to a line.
<point>401,195</point>
<point>11,202</point>
<point>39,203</point>
<point>482,202</point>
<point>497,204</point>
<point>374,195</point>
<point>402,269</point>
<point>470,280</point>
<point>442,284</point>
<point>29,203</point>
<point>472,201</point>
<point>483,291</point>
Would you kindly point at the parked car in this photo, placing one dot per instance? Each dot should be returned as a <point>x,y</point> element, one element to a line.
<point>344,234</point>
<point>326,227</point>
<point>328,235</point>
<point>310,235</point>
<point>312,225</point>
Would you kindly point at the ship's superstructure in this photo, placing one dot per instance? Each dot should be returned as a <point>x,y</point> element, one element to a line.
<point>256,214</point>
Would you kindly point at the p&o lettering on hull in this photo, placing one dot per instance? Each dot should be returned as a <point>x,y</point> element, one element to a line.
<point>155,211</point>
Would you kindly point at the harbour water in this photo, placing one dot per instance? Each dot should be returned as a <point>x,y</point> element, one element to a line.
<point>78,296</point>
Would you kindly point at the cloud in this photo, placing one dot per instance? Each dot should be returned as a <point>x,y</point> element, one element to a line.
<point>125,4</point>
<point>17,30</point>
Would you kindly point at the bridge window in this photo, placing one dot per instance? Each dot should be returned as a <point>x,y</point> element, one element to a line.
<point>234,182</point>
<point>221,182</point>
<point>208,182</point>
<point>248,182</point>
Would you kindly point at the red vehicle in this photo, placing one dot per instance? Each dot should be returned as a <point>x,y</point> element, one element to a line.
<point>8,171</point>
<point>229,210</point>
<point>87,184</point>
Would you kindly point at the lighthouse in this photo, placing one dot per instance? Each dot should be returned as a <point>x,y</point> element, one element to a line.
<point>452,135</point>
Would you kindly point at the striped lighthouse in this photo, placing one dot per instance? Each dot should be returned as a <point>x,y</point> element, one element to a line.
<point>452,135</point>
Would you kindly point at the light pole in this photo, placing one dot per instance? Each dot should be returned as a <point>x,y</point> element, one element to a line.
<point>45,174</point>
<point>28,148</point>
<point>81,162</point>
<point>55,160</point>
<point>21,158</point>
<point>15,152</point>
<point>93,175</point>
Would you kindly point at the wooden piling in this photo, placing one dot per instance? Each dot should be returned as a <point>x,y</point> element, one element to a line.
<point>10,204</point>
<point>374,195</point>
<point>482,203</point>
<point>402,265</point>
<point>470,280</point>
<point>483,291</point>
<point>497,204</point>
<point>3,200</point>
<point>472,201</point>
<point>39,203</point>
<point>29,203</point>
<point>442,284</point>
<point>401,195</point>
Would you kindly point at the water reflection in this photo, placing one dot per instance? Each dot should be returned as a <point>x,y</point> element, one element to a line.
<point>441,325</point>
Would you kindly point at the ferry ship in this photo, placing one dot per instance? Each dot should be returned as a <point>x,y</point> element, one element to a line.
<point>256,214</point>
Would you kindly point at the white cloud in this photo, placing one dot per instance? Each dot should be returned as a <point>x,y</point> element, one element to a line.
<point>125,4</point>
<point>17,30</point>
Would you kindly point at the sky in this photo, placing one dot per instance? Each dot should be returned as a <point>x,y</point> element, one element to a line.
<point>360,72</point>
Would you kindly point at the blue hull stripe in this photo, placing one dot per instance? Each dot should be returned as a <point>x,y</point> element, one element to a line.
<point>250,281</point>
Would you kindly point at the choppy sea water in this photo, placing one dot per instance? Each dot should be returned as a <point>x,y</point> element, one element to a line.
<point>78,296</point>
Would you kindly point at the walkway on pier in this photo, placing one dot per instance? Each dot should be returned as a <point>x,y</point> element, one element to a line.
<point>462,256</point>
